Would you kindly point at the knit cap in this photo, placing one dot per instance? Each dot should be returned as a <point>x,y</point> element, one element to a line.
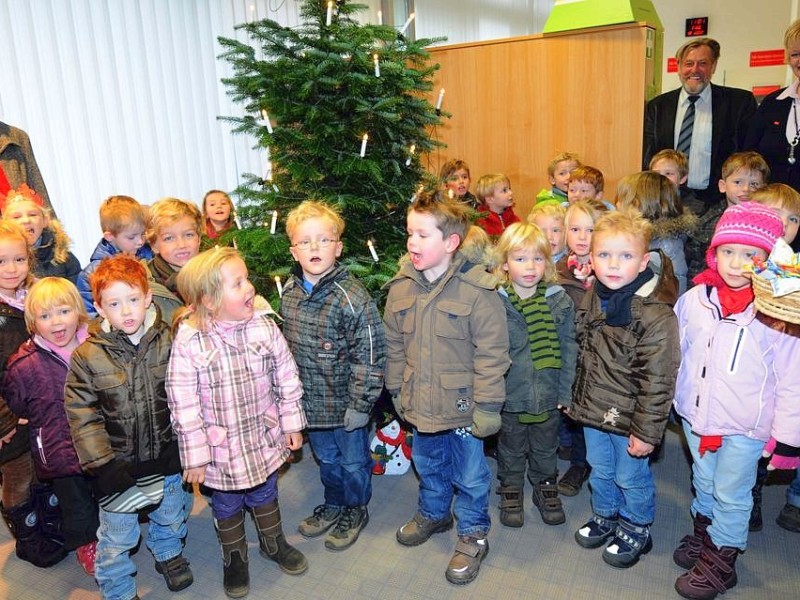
<point>749,224</point>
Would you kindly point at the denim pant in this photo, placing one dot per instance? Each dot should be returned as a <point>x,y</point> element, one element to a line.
<point>621,484</point>
<point>533,443</point>
<point>723,483</point>
<point>570,434</point>
<point>226,504</point>
<point>793,491</point>
<point>449,461</point>
<point>345,465</point>
<point>119,533</point>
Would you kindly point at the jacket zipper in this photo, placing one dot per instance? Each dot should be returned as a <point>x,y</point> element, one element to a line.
<point>736,350</point>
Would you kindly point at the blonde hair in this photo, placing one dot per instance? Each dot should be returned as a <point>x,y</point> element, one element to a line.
<point>49,292</point>
<point>117,213</point>
<point>562,157</point>
<point>792,35</point>
<point>311,209</point>
<point>627,222</point>
<point>752,162</point>
<point>200,280</point>
<point>11,230</point>
<point>519,236</point>
<point>168,211</point>
<point>451,216</point>
<point>477,246</point>
<point>591,208</point>
<point>486,184</point>
<point>651,193</point>
<point>547,209</point>
<point>778,195</point>
<point>590,175</point>
<point>679,158</point>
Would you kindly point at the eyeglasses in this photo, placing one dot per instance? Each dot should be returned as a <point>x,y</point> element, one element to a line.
<point>321,243</point>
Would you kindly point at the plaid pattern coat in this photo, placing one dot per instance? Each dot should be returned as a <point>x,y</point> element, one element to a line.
<point>234,393</point>
<point>336,335</point>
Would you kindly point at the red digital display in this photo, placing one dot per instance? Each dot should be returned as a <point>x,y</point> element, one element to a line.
<point>696,26</point>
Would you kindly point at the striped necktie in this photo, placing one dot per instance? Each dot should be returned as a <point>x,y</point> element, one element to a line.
<point>685,137</point>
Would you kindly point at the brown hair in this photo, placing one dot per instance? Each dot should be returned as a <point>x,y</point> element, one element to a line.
<point>651,193</point>
<point>590,175</point>
<point>710,43</point>
<point>751,161</point>
<point>117,213</point>
<point>679,158</point>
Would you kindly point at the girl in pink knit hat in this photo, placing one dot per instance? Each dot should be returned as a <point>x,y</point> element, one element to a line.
<point>736,392</point>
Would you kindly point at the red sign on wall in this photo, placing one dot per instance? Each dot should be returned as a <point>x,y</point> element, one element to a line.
<point>760,91</point>
<point>766,58</point>
<point>672,65</point>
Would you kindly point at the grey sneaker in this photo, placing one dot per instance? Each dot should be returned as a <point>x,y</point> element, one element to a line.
<point>466,562</point>
<point>323,518</point>
<point>419,529</point>
<point>352,520</point>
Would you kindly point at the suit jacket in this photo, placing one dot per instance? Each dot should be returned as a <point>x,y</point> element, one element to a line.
<point>731,110</point>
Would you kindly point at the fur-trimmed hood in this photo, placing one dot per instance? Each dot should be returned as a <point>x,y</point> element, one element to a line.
<point>667,227</point>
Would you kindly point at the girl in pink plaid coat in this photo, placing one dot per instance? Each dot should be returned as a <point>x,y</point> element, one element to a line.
<point>234,393</point>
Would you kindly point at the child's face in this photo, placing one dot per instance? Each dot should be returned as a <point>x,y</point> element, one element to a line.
<point>30,216</point>
<point>553,228</point>
<point>791,222</point>
<point>582,190</point>
<point>458,182</point>
<point>560,177</point>
<point>318,258</point>
<point>738,186</point>
<point>579,233</point>
<point>218,209</point>
<point>525,267</point>
<point>617,259</point>
<point>501,198</point>
<point>429,250</point>
<point>731,258</point>
<point>124,307</point>
<point>670,170</point>
<point>128,241</point>
<point>237,292</point>
<point>178,242</point>
<point>57,324</point>
<point>13,266</point>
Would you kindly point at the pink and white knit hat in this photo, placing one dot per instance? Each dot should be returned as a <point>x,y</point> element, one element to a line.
<point>748,223</point>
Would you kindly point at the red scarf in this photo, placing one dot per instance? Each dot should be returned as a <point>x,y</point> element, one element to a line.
<point>732,301</point>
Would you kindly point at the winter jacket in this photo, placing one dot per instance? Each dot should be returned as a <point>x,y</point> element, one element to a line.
<point>336,337</point>
<point>700,238</point>
<point>535,391</point>
<point>53,242</point>
<point>19,163</point>
<point>447,345</point>
<point>164,274</point>
<point>670,235</point>
<point>12,333</point>
<point>34,389</point>
<point>625,379</point>
<point>233,395</point>
<point>573,286</point>
<point>738,376</point>
<point>116,400</point>
<point>104,249</point>
<point>493,223</point>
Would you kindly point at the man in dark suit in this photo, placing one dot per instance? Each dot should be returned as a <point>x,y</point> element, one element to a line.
<point>721,117</point>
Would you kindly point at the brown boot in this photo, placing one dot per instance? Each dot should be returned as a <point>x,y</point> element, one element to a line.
<point>273,544</point>
<point>236,574</point>
<point>511,511</point>
<point>713,573</point>
<point>691,546</point>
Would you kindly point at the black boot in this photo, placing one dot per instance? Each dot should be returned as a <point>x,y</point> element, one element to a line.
<point>756,522</point>
<point>236,574</point>
<point>273,544</point>
<point>31,545</point>
<point>48,511</point>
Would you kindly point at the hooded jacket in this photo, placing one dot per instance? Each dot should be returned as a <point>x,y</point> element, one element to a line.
<point>52,243</point>
<point>625,379</point>
<point>18,162</point>
<point>670,235</point>
<point>12,334</point>
<point>447,345</point>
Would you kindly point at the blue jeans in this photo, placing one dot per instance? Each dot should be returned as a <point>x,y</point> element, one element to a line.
<point>449,461</point>
<point>621,484</point>
<point>793,491</point>
<point>119,533</point>
<point>345,465</point>
<point>723,483</point>
<point>226,504</point>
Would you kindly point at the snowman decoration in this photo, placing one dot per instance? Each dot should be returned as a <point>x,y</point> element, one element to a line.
<point>391,449</point>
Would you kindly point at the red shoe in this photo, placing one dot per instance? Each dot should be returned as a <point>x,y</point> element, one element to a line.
<point>86,555</point>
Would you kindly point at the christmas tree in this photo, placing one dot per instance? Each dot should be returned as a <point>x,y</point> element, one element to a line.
<point>341,110</point>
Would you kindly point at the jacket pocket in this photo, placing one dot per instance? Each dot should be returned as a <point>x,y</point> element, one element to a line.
<point>452,319</point>
<point>404,312</point>
<point>457,392</point>
<point>407,391</point>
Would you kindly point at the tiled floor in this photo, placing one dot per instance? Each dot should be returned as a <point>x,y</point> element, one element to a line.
<point>536,561</point>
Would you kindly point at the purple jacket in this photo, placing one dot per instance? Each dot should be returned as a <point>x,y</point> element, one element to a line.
<point>737,376</point>
<point>34,389</point>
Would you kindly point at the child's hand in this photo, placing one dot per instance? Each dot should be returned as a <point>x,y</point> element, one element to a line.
<point>294,441</point>
<point>195,475</point>
<point>638,448</point>
<point>783,455</point>
<point>8,437</point>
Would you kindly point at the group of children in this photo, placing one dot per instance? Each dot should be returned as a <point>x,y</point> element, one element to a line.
<point>559,333</point>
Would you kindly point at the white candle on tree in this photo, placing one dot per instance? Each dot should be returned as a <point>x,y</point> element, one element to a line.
<point>364,145</point>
